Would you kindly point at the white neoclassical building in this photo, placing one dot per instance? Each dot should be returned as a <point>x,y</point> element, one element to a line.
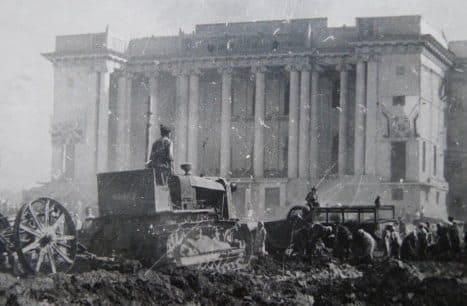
<point>276,106</point>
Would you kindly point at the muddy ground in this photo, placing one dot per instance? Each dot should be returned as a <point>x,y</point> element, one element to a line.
<point>266,281</point>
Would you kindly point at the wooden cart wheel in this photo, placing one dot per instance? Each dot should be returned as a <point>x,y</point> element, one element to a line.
<point>45,237</point>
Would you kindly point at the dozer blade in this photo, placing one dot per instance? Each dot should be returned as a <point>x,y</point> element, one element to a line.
<point>209,257</point>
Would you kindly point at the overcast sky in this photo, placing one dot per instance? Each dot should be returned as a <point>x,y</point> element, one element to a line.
<point>28,28</point>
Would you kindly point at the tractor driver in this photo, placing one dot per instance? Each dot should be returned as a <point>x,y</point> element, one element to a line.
<point>312,199</point>
<point>161,158</point>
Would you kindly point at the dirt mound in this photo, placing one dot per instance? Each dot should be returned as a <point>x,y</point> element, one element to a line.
<point>265,281</point>
<point>418,283</point>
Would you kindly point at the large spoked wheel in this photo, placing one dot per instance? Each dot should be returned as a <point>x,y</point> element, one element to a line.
<point>45,237</point>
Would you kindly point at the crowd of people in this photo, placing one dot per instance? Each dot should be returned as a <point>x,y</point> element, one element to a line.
<point>419,241</point>
<point>424,243</point>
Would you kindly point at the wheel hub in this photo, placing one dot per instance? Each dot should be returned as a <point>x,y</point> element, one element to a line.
<point>45,240</point>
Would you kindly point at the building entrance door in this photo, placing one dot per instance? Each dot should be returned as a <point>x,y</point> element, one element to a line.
<point>398,166</point>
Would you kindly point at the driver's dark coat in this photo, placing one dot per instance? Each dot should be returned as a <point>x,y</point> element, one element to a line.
<point>162,154</point>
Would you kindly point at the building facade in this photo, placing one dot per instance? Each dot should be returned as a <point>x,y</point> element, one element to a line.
<point>276,106</point>
<point>456,157</point>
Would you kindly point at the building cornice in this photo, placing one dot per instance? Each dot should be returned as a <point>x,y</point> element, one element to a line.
<point>62,57</point>
<point>391,46</point>
<point>241,61</point>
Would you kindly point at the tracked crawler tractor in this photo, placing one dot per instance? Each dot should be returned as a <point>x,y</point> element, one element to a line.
<point>189,221</point>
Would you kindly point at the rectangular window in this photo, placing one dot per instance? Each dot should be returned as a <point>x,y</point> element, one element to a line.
<point>208,144</point>
<point>335,153</point>
<point>437,197</point>
<point>397,194</point>
<point>415,120</point>
<point>243,96</point>
<point>238,199</point>
<point>398,161</point>
<point>400,70</point>
<point>398,100</point>
<point>242,138</point>
<point>423,156</point>
<point>336,94</point>
<point>272,198</point>
<point>434,160</point>
<point>275,136</point>
<point>286,98</point>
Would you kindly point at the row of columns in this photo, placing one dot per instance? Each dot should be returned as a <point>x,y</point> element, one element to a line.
<point>303,145</point>
<point>365,133</point>
<point>303,120</point>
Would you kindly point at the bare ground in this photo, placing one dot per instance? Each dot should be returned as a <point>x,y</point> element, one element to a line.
<point>322,281</point>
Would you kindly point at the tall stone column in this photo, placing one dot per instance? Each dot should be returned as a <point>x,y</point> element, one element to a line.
<point>226,110</point>
<point>371,113</point>
<point>153,100</point>
<point>359,148</point>
<point>294,100</point>
<point>342,151</point>
<point>103,120</point>
<point>123,121</point>
<point>314,124</point>
<point>193,118</point>
<point>258,150</point>
<point>180,140</point>
<point>304,127</point>
<point>128,121</point>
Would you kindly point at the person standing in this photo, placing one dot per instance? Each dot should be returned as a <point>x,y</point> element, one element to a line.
<point>312,203</point>
<point>409,247</point>
<point>444,244</point>
<point>89,213</point>
<point>260,240</point>
<point>395,243</point>
<point>161,158</point>
<point>454,235</point>
<point>387,241</point>
<point>343,242</point>
<point>422,236</point>
<point>378,202</point>
<point>312,198</point>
